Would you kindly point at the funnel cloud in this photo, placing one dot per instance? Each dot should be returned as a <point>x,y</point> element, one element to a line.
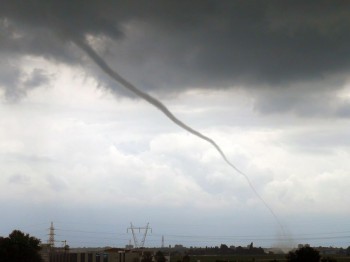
<point>102,64</point>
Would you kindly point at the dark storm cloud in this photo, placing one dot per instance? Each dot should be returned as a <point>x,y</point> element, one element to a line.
<point>174,45</point>
<point>310,99</point>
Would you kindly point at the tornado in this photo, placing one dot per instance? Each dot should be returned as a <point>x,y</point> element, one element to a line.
<point>83,45</point>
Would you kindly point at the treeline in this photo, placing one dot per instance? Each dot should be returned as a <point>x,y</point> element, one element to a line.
<point>334,250</point>
<point>225,250</point>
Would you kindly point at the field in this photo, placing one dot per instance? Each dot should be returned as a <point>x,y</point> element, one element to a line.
<point>250,258</point>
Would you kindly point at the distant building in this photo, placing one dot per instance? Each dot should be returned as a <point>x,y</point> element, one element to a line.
<point>94,255</point>
<point>129,246</point>
<point>45,252</point>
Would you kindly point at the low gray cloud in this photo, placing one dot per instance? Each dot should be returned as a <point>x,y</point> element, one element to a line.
<point>56,183</point>
<point>19,179</point>
<point>37,78</point>
<point>16,83</point>
<point>10,80</point>
<point>344,109</point>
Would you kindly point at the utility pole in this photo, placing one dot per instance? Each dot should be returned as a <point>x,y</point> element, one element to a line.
<point>64,243</point>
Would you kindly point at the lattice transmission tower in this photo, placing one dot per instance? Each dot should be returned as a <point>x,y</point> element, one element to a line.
<point>134,230</point>
<point>51,240</point>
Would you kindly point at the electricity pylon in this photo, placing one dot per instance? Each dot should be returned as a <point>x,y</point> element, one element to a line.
<point>51,240</point>
<point>136,242</point>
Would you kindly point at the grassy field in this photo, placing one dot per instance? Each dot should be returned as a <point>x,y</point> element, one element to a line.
<point>238,258</point>
<point>246,258</point>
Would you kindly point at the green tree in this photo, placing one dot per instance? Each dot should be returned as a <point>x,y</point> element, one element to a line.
<point>146,256</point>
<point>159,257</point>
<point>19,247</point>
<point>224,248</point>
<point>328,259</point>
<point>186,258</point>
<point>304,254</point>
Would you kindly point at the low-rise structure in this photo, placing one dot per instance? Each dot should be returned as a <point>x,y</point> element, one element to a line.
<point>94,255</point>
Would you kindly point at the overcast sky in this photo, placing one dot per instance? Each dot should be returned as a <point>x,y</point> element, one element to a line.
<point>268,81</point>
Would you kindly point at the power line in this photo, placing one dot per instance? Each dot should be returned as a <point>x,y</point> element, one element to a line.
<point>213,237</point>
